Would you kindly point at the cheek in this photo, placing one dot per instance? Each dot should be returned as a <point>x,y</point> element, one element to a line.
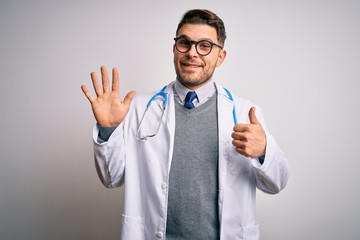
<point>176,62</point>
<point>213,59</point>
<point>210,64</point>
<point>176,58</point>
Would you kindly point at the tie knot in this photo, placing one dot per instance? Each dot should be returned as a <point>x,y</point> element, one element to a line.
<point>190,96</point>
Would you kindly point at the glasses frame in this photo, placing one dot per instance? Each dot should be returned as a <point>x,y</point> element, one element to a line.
<point>196,44</point>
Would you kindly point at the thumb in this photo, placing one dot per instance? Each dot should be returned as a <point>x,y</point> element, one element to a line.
<point>129,97</point>
<point>252,116</point>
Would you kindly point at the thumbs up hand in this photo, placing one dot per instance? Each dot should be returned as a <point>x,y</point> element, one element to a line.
<point>250,139</point>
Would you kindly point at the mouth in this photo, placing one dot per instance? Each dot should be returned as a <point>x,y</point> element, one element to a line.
<point>190,65</point>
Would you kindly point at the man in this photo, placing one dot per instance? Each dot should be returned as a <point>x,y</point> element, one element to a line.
<point>190,156</point>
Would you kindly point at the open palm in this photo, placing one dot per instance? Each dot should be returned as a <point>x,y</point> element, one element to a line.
<point>109,110</point>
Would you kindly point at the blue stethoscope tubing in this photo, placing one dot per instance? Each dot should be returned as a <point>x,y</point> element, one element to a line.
<point>164,95</point>
<point>232,99</point>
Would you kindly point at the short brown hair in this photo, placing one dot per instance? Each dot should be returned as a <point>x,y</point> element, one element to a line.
<point>203,16</point>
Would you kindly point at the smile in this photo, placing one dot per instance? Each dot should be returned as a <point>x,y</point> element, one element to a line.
<point>188,65</point>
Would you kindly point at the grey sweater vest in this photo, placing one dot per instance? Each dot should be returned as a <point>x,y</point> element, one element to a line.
<point>193,181</point>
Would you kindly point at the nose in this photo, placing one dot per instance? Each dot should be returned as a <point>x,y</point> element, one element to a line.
<point>192,51</point>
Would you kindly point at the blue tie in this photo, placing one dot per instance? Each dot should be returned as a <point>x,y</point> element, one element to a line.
<point>190,96</point>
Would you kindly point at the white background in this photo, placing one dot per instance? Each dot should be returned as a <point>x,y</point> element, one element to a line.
<point>299,60</point>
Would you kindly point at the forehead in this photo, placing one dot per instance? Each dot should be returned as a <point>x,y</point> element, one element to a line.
<point>198,32</point>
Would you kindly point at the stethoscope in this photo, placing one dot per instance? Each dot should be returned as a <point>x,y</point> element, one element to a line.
<point>143,135</point>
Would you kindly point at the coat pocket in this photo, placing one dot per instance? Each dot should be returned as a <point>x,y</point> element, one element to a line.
<point>132,227</point>
<point>237,163</point>
<point>250,232</point>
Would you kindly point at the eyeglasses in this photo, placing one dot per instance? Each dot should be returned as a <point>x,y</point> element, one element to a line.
<point>203,47</point>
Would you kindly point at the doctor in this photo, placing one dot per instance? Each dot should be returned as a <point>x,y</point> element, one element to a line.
<point>190,156</point>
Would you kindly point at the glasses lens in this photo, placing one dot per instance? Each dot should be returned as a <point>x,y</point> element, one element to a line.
<point>204,47</point>
<point>183,45</point>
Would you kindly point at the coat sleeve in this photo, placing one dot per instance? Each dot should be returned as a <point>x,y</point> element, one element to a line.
<point>272,175</point>
<point>110,157</point>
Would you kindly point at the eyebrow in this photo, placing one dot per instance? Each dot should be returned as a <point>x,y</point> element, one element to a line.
<point>185,36</point>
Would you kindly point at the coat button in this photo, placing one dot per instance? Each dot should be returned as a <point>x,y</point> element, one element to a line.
<point>159,235</point>
<point>163,185</point>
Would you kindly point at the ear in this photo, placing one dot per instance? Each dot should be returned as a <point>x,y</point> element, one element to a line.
<point>221,58</point>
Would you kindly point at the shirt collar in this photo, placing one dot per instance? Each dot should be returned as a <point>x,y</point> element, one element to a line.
<point>203,93</point>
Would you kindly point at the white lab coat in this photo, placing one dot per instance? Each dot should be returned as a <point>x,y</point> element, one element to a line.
<point>143,167</point>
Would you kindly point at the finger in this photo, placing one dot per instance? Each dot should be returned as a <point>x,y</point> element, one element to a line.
<point>252,116</point>
<point>241,127</point>
<point>105,79</point>
<point>243,152</point>
<point>96,84</point>
<point>242,149</point>
<point>239,144</point>
<point>115,80</point>
<point>129,97</point>
<point>239,136</point>
<point>87,93</point>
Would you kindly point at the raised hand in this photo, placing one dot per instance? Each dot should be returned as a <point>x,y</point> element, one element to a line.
<point>109,110</point>
<point>250,139</point>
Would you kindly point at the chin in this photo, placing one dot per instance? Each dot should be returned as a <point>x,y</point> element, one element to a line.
<point>191,82</point>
